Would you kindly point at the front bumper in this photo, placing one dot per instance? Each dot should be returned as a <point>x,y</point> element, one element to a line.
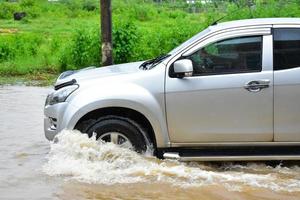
<point>50,133</point>
<point>53,119</point>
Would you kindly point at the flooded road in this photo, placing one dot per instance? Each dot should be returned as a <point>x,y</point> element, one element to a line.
<point>80,168</point>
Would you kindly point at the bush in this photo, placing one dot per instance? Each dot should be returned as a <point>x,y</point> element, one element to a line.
<point>124,39</point>
<point>89,5</point>
<point>177,14</point>
<point>7,10</point>
<point>18,46</point>
<point>27,3</point>
<point>142,12</point>
<point>33,12</point>
<point>27,44</point>
<point>6,51</point>
<point>82,50</point>
<point>86,47</point>
<point>72,5</point>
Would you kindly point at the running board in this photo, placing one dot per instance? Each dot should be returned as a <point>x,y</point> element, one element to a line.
<point>176,156</point>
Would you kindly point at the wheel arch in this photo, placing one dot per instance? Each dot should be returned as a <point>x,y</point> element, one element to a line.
<point>129,113</point>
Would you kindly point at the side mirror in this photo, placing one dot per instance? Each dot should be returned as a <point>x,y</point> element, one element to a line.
<point>183,68</point>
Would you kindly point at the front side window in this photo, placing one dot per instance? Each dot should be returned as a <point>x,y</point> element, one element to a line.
<point>286,48</point>
<point>237,55</point>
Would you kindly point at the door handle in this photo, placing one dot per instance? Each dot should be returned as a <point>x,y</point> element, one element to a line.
<point>256,86</point>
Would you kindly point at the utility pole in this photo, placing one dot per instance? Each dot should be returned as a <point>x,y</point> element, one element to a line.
<point>106,32</point>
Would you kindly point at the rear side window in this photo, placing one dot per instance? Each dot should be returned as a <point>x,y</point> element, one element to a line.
<point>286,48</point>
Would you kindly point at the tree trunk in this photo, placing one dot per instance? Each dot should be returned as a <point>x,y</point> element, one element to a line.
<point>106,32</point>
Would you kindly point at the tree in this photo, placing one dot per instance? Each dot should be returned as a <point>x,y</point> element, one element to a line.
<point>106,33</point>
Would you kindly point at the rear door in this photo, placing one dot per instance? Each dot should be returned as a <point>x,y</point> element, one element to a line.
<point>286,84</point>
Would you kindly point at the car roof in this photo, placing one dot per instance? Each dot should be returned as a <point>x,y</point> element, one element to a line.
<point>237,24</point>
<point>255,22</point>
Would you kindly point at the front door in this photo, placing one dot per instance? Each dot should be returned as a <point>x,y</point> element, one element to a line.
<point>229,98</point>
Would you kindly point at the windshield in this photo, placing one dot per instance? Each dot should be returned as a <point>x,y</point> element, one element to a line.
<point>190,41</point>
<point>149,64</point>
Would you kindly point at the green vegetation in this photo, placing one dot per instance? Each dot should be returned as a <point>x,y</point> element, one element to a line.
<point>58,36</point>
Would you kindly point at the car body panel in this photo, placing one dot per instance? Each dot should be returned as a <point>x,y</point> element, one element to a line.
<point>139,94</point>
<point>287,105</point>
<point>219,109</point>
<point>91,73</point>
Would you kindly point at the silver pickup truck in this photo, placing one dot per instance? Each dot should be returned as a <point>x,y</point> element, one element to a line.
<point>231,92</point>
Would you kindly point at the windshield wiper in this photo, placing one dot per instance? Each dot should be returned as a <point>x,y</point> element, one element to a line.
<point>149,64</point>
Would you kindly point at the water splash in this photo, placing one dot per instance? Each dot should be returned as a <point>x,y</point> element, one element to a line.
<point>75,156</point>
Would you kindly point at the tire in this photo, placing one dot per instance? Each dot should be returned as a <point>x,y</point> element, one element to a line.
<point>127,128</point>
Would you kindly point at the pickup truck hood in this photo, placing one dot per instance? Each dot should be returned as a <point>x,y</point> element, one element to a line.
<point>92,72</point>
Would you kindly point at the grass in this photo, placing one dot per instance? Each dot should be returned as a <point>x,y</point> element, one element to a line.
<point>61,45</point>
<point>61,36</point>
<point>37,79</point>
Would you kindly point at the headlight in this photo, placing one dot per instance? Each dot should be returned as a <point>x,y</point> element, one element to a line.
<point>60,95</point>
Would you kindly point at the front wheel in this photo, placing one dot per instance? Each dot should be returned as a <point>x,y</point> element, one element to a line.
<point>118,130</point>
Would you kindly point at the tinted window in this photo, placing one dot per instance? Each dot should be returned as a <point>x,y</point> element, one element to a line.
<point>236,55</point>
<point>286,48</point>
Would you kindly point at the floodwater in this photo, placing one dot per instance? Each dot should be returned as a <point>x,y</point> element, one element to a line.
<point>81,168</point>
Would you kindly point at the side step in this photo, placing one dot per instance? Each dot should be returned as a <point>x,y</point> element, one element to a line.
<point>175,156</point>
<point>253,153</point>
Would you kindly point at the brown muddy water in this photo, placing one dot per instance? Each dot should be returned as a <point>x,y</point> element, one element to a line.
<point>80,168</point>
